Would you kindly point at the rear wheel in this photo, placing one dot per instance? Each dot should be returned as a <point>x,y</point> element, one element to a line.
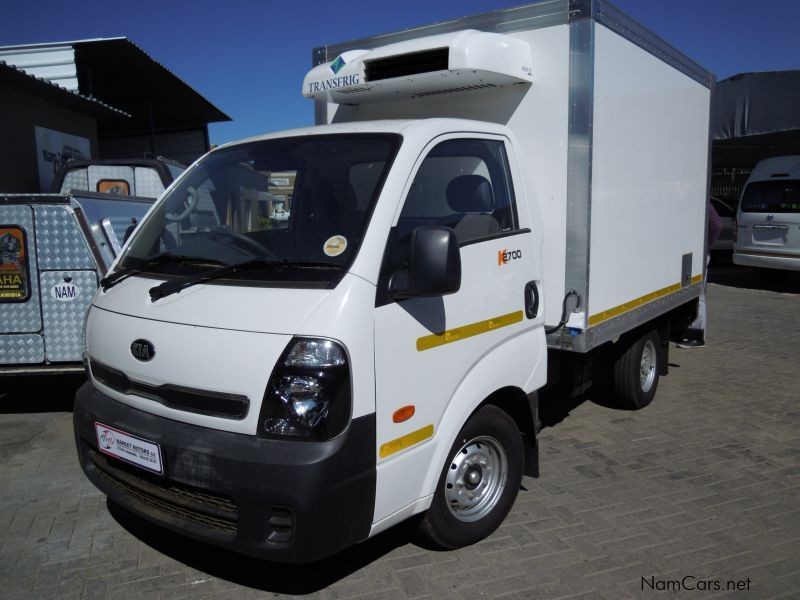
<point>636,372</point>
<point>479,481</point>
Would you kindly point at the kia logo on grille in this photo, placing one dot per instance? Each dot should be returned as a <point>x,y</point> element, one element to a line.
<point>142,350</point>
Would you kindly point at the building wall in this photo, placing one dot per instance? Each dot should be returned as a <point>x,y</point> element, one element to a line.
<point>20,112</point>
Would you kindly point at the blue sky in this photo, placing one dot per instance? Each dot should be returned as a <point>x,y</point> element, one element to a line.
<point>249,57</point>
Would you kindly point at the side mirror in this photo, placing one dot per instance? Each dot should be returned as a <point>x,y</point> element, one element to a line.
<point>434,265</point>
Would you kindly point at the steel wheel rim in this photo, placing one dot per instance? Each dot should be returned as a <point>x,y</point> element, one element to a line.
<point>647,367</point>
<point>476,478</point>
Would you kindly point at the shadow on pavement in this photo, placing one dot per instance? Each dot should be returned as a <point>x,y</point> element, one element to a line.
<point>554,409</point>
<point>260,574</point>
<point>38,394</point>
<point>787,282</point>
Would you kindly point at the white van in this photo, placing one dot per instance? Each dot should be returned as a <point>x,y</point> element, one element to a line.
<point>767,230</point>
<point>478,216</point>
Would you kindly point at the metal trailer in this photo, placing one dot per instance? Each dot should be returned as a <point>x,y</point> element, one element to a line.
<point>605,89</point>
<point>54,249</point>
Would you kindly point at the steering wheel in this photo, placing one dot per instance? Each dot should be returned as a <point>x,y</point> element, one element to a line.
<point>234,238</point>
<point>192,199</point>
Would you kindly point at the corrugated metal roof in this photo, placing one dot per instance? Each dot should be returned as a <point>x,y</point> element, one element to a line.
<point>57,93</point>
<point>59,63</point>
<point>55,63</point>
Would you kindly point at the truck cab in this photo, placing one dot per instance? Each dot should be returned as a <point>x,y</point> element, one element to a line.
<point>407,272</point>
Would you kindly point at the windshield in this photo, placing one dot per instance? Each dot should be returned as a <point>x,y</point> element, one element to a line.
<point>295,202</point>
<point>175,170</point>
<point>772,196</point>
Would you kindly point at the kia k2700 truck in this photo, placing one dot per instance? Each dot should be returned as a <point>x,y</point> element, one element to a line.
<point>487,209</point>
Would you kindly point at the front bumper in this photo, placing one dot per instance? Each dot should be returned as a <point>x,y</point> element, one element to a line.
<point>285,501</point>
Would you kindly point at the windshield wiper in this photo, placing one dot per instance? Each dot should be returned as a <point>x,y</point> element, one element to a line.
<point>108,282</point>
<point>174,287</point>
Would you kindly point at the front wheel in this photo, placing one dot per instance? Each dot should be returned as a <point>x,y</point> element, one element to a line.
<point>479,481</point>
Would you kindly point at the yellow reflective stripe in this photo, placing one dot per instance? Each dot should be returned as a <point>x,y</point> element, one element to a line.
<point>406,441</point>
<point>461,333</point>
<point>623,308</point>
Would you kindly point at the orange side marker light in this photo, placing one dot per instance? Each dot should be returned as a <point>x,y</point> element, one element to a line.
<point>403,414</point>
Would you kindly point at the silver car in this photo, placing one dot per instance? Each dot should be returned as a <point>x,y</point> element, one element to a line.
<point>767,234</point>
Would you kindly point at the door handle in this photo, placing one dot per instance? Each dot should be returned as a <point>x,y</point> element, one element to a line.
<point>531,299</point>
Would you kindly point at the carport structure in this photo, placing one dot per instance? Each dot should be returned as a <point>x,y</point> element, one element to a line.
<point>754,116</point>
<point>156,111</point>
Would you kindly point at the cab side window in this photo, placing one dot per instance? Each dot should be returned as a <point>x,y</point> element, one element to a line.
<point>463,184</point>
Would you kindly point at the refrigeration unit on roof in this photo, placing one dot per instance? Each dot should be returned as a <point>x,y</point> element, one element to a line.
<point>456,62</point>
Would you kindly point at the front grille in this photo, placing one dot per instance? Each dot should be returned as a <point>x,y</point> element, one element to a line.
<point>404,65</point>
<point>204,402</point>
<point>217,514</point>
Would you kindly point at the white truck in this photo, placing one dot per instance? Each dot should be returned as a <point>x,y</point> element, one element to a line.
<point>487,209</point>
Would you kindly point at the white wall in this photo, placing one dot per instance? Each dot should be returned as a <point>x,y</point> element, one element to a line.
<point>649,169</point>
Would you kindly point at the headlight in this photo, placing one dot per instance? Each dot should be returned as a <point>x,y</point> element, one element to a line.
<point>313,353</point>
<point>308,394</point>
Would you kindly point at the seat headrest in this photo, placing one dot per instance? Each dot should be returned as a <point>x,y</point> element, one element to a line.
<point>470,194</point>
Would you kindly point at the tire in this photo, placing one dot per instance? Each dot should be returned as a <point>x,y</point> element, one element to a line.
<point>636,373</point>
<point>490,438</point>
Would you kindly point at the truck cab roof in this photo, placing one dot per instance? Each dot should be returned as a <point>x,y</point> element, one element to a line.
<point>406,127</point>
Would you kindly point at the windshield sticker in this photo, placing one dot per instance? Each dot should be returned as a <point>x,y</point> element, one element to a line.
<point>335,245</point>
<point>14,280</point>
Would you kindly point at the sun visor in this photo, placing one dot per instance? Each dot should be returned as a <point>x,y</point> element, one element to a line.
<point>457,62</point>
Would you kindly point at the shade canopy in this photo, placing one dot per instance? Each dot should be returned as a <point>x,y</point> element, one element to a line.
<point>755,116</point>
<point>125,76</point>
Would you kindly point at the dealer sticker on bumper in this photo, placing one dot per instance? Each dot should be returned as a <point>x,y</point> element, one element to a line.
<point>128,447</point>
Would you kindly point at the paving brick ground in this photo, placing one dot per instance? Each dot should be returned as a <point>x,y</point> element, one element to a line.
<point>703,484</point>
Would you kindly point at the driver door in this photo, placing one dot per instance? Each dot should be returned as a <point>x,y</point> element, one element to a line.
<point>438,354</point>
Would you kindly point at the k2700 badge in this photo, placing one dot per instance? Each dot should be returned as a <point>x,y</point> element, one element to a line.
<point>506,256</point>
